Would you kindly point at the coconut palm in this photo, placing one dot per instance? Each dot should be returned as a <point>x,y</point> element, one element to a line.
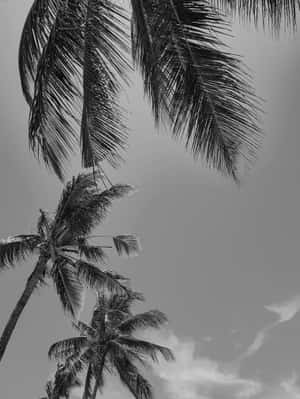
<point>109,344</point>
<point>63,382</point>
<point>73,61</point>
<point>64,248</point>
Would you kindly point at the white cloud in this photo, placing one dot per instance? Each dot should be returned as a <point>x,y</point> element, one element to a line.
<point>285,311</point>
<point>290,386</point>
<point>192,376</point>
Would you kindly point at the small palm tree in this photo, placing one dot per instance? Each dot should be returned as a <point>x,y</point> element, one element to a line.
<point>65,254</point>
<point>73,61</point>
<point>109,343</point>
<point>63,382</point>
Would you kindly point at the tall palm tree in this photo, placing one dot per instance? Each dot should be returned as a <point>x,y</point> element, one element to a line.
<point>63,382</point>
<point>73,61</point>
<point>109,344</point>
<point>65,253</point>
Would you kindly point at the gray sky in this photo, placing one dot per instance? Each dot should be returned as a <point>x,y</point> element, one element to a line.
<point>221,261</point>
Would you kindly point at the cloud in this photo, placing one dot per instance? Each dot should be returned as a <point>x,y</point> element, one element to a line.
<point>290,386</point>
<point>285,311</point>
<point>192,376</point>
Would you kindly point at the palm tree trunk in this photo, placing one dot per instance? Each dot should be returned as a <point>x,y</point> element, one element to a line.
<point>29,288</point>
<point>99,377</point>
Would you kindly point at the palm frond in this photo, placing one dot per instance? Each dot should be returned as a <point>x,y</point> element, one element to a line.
<point>84,329</point>
<point>62,350</point>
<point>52,132</point>
<point>34,36</point>
<point>95,278</point>
<point>68,286</point>
<point>146,348</point>
<point>272,14</point>
<point>82,206</point>
<point>203,91</point>
<point>91,252</point>
<point>127,244</point>
<point>15,248</point>
<point>150,319</point>
<point>132,379</point>
<point>103,135</point>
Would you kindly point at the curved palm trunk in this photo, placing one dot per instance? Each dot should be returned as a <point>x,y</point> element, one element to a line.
<point>22,302</point>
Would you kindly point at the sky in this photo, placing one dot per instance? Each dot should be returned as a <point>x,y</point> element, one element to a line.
<point>220,260</point>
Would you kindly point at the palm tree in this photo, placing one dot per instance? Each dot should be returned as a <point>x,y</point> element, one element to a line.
<point>73,62</point>
<point>63,382</point>
<point>64,249</point>
<point>109,343</point>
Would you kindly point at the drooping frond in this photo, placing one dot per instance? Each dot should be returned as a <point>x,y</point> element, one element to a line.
<point>15,248</point>
<point>103,134</point>
<point>91,252</point>
<point>63,349</point>
<point>150,319</point>
<point>272,14</point>
<point>132,379</point>
<point>68,286</point>
<point>202,90</point>
<point>146,348</point>
<point>127,244</point>
<point>95,278</point>
<point>52,132</point>
<point>64,381</point>
<point>34,36</point>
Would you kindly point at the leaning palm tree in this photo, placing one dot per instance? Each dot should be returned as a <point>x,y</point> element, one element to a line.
<point>73,61</point>
<point>63,382</point>
<point>64,248</point>
<point>109,344</point>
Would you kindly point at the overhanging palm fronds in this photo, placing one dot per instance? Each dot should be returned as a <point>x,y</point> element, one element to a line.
<point>52,134</point>
<point>103,135</point>
<point>190,78</point>
<point>34,36</point>
<point>272,14</point>
<point>80,68</point>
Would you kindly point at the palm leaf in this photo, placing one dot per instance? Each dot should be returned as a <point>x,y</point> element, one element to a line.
<point>208,99</point>
<point>273,14</point>
<point>150,319</point>
<point>62,350</point>
<point>127,244</point>
<point>68,286</point>
<point>91,252</point>
<point>34,36</point>
<point>84,329</point>
<point>52,133</point>
<point>15,248</point>
<point>103,135</point>
<point>132,379</point>
<point>146,348</point>
<point>95,278</point>
<point>82,206</point>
